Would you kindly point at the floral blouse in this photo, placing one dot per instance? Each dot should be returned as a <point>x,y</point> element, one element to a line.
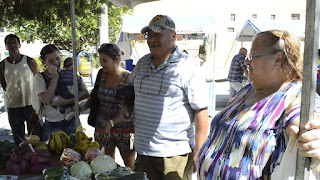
<point>248,141</point>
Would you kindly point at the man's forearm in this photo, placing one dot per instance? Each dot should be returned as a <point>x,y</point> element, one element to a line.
<point>201,127</point>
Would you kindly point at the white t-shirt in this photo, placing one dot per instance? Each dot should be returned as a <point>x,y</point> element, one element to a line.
<point>49,112</point>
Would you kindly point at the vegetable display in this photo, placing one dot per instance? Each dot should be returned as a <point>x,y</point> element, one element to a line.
<point>81,170</point>
<point>102,163</point>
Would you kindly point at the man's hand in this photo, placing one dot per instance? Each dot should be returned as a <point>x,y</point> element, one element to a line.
<point>123,116</point>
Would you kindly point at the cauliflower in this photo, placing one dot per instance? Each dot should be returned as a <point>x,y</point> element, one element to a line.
<point>102,163</point>
<point>81,170</point>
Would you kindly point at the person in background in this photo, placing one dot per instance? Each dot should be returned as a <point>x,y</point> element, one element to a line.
<point>113,77</point>
<point>237,72</point>
<point>65,88</point>
<point>256,135</point>
<point>170,107</point>
<point>16,76</point>
<point>44,88</point>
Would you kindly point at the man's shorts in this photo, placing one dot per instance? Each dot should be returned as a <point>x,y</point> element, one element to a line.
<point>168,168</point>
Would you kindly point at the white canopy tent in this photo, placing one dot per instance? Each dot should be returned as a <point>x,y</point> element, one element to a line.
<point>184,24</point>
<point>130,3</point>
<point>253,26</point>
<point>187,28</point>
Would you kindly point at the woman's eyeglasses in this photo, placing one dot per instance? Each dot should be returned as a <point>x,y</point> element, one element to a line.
<point>250,55</point>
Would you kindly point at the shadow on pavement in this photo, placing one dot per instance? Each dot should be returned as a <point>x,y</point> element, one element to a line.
<point>6,134</point>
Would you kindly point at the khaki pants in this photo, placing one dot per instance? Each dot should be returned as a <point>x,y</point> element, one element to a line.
<point>166,168</point>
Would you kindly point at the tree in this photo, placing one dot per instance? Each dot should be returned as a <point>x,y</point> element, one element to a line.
<point>49,21</point>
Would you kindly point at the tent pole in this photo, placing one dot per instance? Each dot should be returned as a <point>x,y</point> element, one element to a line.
<point>75,63</point>
<point>229,53</point>
<point>309,80</point>
<point>242,39</point>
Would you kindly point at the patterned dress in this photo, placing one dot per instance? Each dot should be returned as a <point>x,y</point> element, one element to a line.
<point>248,141</point>
<point>109,108</point>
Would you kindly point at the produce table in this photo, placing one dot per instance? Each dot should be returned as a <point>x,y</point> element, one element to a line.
<point>27,176</point>
<point>23,176</point>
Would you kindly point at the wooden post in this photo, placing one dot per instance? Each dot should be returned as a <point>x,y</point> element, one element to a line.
<point>309,80</point>
<point>75,63</point>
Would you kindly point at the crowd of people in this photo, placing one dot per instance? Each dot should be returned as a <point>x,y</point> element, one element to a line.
<point>255,136</point>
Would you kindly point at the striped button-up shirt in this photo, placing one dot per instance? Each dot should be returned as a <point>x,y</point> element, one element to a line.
<point>166,98</point>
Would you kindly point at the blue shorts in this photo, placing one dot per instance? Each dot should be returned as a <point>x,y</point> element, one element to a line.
<point>69,127</point>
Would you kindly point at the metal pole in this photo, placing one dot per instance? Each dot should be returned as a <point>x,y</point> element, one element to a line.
<point>309,80</point>
<point>75,64</point>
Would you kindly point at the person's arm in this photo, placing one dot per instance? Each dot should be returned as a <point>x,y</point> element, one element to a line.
<point>96,85</point>
<point>47,96</point>
<point>245,70</point>
<point>308,143</point>
<point>2,80</point>
<point>243,67</point>
<point>85,106</point>
<point>201,131</point>
<point>83,92</point>
<point>33,65</point>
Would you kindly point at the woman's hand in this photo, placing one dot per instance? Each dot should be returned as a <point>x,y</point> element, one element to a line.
<point>309,142</point>
<point>123,116</point>
<point>53,71</point>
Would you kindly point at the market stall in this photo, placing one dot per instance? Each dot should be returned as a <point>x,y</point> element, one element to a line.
<point>75,155</point>
<point>191,31</point>
<point>253,26</point>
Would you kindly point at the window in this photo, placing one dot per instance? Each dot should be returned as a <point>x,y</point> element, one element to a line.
<point>230,29</point>
<point>254,16</point>
<point>1,29</point>
<point>273,16</point>
<point>295,16</point>
<point>232,17</point>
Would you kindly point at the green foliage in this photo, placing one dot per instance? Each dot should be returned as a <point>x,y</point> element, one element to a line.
<point>49,21</point>
<point>40,65</point>
<point>115,20</point>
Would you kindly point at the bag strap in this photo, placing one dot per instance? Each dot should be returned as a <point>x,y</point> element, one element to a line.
<point>46,78</point>
<point>97,83</point>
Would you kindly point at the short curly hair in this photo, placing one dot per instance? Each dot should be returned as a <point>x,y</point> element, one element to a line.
<point>11,36</point>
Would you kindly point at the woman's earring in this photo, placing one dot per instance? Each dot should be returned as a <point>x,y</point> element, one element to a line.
<point>115,67</point>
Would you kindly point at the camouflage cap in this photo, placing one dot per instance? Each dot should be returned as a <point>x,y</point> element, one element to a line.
<point>159,23</point>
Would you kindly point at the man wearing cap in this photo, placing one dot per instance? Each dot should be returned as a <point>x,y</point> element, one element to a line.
<point>171,117</point>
